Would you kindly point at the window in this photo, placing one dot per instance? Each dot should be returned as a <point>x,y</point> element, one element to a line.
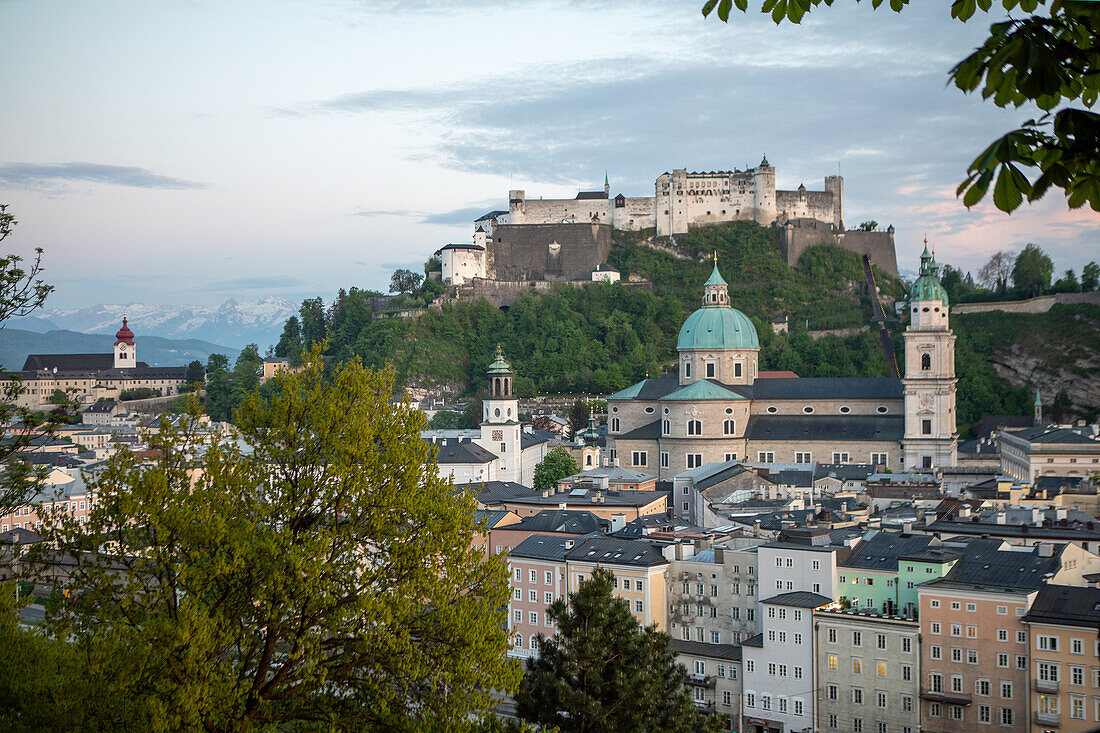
<point>857,665</point>
<point>984,714</point>
<point>1048,643</point>
<point>803,458</point>
<point>666,427</point>
<point>694,460</point>
<point>956,683</point>
<point>1002,634</point>
<point>971,656</point>
<point>797,706</point>
<point>857,638</point>
<point>765,457</point>
<point>981,687</point>
<point>955,712</point>
<point>935,682</point>
<point>687,369</point>
<point>857,696</point>
<point>614,424</point>
<point>549,598</point>
<point>737,368</point>
<point>934,603</point>
<point>907,703</point>
<point>729,427</point>
<point>841,458</point>
<point>857,725</point>
<point>907,645</point>
<point>750,700</point>
<point>549,579</point>
<point>1008,716</point>
<point>880,641</point>
<point>832,663</point>
<point>700,667</point>
<point>879,459</point>
<point>935,627</point>
<point>936,652</point>
<point>639,457</point>
<point>532,595</point>
<point>1077,676</point>
<point>925,362</point>
<point>926,427</point>
<point>1002,610</point>
<point>1002,660</point>
<point>695,427</point>
<point>831,636</point>
<point>956,629</point>
<point>1077,707</point>
<point>710,370</point>
<point>935,710</point>
<point>881,668</point>
<point>1076,646</point>
<point>797,672</point>
<point>534,618</point>
<point>1006,690</point>
<point>831,692</point>
<point>726,697</point>
<point>971,632</point>
<point>832,720</point>
<point>880,700</point>
<point>907,672</point>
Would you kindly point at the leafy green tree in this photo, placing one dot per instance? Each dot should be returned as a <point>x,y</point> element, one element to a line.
<point>448,420</point>
<point>1090,277</point>
<point>475,409</point>
<point>1067,283</point>
<point>138,393</point>
<point>556,465</point>
<point>405,281</point>
<point>430,290</point>
<point>1050,59</point>
<point>868,226</point>
<point>22,291</point>
<point>324,580</point>
<point>219,388</point>
<point>314,329</point>
<point>601,673</point>
<point>247,372</point>
<point>578,416</point>
<point>290,342</point>
<point>1032,271</point>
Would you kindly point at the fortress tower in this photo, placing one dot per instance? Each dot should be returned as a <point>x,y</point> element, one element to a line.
<point>931,438</point>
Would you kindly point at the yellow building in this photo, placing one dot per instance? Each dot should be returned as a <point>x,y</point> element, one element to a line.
<point>639,570</point>
<point>1064,649</point>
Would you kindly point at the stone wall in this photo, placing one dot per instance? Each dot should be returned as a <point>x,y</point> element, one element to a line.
<point>503,293</point>
<point>1033,305</point>
<point>798,236</point>
<point>556,252</point>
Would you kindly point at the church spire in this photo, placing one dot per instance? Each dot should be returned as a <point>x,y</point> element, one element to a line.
<point>716,289</point>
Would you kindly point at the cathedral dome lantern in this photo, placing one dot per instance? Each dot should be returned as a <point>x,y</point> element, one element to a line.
<point>501,377</point>
<point>928,286</point>
<point>718,341</point>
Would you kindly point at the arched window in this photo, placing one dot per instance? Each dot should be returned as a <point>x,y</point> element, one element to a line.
<point>695,427</point>
<point>519,641</point>
<point>588,460</point>
<point>729,427</point>
<point>614,424</point>
<point>534,643</point>
<point>666,427</point>
<point>925,362</point>
<point>687,369</point>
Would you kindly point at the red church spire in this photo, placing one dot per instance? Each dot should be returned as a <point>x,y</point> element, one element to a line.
<point>124,335</point>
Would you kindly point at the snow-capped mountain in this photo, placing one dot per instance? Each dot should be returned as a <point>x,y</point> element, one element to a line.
<point>232,323</point>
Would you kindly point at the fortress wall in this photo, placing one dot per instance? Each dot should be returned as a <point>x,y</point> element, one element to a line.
<point>503,293</point>
<point>556,211</point>
<point>548,251</point>
<point>795,240</point>
<point>635,215</point>
<point>1041,304</point>
<point>819,205</point>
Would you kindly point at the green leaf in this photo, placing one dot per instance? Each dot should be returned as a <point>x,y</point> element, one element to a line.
<point>1006,194</point>
<point>708,7</point>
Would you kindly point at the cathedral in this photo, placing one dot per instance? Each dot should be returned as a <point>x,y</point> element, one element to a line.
<point>721,407</point>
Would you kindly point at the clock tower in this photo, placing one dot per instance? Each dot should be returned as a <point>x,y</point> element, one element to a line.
<point>500,426</point>
<point>125,351</point>
<point>931,438</point>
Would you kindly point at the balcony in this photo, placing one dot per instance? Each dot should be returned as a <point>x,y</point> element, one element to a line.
<point>1048,718</point>
<point>947,698</point>
<point>698,680</point>
<point>1046,685</point>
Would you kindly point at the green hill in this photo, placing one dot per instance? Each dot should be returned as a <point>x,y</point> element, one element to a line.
<point>603,337</point>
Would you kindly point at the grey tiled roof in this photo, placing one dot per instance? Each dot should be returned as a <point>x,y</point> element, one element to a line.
<point>1067,606</point>
<point>612,551</point>
<point>460,451</point>
<point>731,652</point>
<point>852,388</point>
<point>881,552</point>
<point>826,427</point>
<point>652,431</point>
<point>558,520</point>
<point>984,565</point>
<point>800,598</point>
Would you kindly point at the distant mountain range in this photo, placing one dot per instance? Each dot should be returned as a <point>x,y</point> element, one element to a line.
<point>232,323</point>
<point>16,344</point>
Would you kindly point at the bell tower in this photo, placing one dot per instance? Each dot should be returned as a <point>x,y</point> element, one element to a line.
<point>500,427</point>
<point>125,350</point>
<point>931,438</point>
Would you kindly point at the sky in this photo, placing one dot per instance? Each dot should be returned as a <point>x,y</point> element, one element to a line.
<point>189,151</point>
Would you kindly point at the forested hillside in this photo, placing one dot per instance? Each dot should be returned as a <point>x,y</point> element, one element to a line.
<point>603,337</point>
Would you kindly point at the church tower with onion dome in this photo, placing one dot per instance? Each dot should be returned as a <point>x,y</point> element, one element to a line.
<point>125,350</point>
<point>931,438</point>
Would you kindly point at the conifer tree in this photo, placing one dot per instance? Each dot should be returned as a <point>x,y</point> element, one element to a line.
<point>602,673</point>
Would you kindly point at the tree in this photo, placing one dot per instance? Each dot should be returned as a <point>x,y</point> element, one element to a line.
<point>219,388</point>
<point>1067,283</point>
<point>1048,59</point>
<point>556,465</point>
<point>578,416</point>
<point>405,281</point>
<point>314,328</point>
<point>290,342</point>
<point>476,408</point>
<point>995,273</point>
<point>448,420</point>
<point>21,292</point>
<point>1032,271</point>
<point>600,672</point>
<point>868,226</point>
<point>247,371</point>
<point>195,374</point>
<point>1090,277</point>
<point>325,579</point>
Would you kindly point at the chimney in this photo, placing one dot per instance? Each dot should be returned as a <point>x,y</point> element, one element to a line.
<point>907,528</point>
<point>1045,549</point>
<point>719,555</point>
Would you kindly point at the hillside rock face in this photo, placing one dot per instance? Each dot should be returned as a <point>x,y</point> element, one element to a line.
<point>1026,370</point>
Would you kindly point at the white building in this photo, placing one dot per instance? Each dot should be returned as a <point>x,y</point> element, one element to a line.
<point>778,677</point>
<point>802,559</point>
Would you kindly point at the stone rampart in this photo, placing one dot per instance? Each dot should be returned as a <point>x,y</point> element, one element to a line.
<point>796,238</point>
<point>503,293</point>
<point>1041,304</point>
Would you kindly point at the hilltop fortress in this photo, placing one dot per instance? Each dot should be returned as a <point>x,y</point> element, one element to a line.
<point>568,240</point>
<point>683,200</point>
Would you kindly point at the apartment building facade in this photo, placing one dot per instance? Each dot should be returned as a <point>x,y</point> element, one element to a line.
<point>867,672</point>
<point>712,596</point>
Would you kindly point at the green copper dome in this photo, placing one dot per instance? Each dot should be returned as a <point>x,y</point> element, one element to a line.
<point>717,328</point>
<point>499,366</point>
<point>928,286</point>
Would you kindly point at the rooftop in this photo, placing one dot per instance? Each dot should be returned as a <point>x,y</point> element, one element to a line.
<point>799,598</point>
<point>613,551</point>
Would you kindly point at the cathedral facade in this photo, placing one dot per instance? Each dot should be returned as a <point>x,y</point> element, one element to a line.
<point>721,407</point>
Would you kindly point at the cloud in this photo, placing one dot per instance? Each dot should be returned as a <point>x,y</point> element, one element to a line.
<point>38,175</point>
<point>274,282</point>
<point>464,216</point>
